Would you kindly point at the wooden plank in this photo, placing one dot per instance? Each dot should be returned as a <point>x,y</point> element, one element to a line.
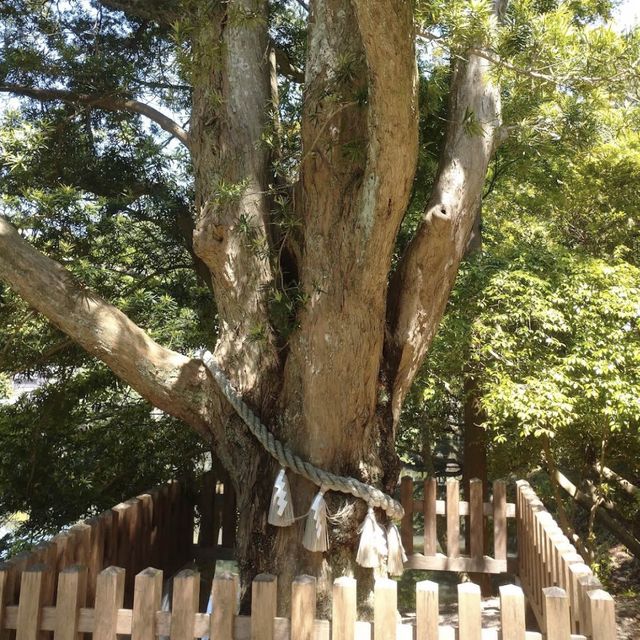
<point>223,596</point>
<point>476,519</point>
<point>577,571</point>
<point>184,604</point>
<point>440,562</point>
<point>344,609</point>
<point>303,607</point>
<point>427,610</point>
<point>463,505</point>
<point>602,617</point>
<point>512,612</point>
<point>385,609</point>
<point>556,614</point>
<point>585,585</point>
<point>32,586</point>
<point>5,591</point>
<point>500,520</point>
<point>109,598</point>
<point>429,512</point>
<point>72,595</point>
<point>469,612</point>
<point>406,524</point>
<point>147,599</point>
<point>264,591</point>
<point>453,518</point>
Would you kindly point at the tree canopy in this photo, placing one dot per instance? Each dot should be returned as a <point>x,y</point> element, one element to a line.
<point>295,186</point>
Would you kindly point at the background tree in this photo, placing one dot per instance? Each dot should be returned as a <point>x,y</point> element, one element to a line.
<point>290,195</point>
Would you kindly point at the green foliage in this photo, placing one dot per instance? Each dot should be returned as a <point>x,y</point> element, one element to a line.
<point>106,196</point>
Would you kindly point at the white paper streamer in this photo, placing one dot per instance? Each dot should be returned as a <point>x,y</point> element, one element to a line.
<point>396,555</point>
<point>281,509</point>
<point>372,549</point>
<point>316,533</point>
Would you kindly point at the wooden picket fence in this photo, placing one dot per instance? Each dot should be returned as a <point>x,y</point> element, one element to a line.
<point>547,559</point>
<point>107,620</point>
<point>479,512</point>
<point>155,528</point>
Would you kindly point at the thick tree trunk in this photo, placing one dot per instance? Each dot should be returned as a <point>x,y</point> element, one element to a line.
<point>333,386</point>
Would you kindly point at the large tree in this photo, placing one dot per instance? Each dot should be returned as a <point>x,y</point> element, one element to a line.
<point>327,293</point>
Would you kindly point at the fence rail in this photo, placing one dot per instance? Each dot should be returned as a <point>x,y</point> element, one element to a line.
<point>145,620</point>
<point>479,512</point>
<point>154,528</point>
<point>547,559</point>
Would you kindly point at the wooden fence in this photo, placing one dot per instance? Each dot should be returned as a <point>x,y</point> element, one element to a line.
<point>546,559</point>
<point>33,620</point>
<point>479,512</point>
<point>154,528</point>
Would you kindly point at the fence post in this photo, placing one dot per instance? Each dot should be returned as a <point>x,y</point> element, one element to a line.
<point>147,598</point>
<point>476,519</point>
<point>453,518</point>
<point>184,604</point>
<point>469,611</point>
<point>556,614</point>
<point>385,606</point>
<point>5,588</point>
<point>343,625</point>
<point>429,512</point>
<point>32,592</point>
<point>72,594</point>
<point>577,571</point>
<point>264,592</point>
<point>303,607</point>
<point>223,597</point>
<point>602,617</point>
<point>500,520</point>
<point>427,610</point>
<point>585,585</point>
<point>109,598</point>
<point>406,524</point>
<point>512,612</point>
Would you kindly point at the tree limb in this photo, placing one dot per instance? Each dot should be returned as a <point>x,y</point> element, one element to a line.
<point>172,382</point>
<point>107,102</point>
<point>421,285</point>
<point>620,531</point>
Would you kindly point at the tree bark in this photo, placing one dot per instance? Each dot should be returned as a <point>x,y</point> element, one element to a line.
<point>331,388</point>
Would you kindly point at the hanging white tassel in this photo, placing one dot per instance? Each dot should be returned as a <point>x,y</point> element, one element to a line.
<point>373,543</point>
<point>316,533</point>
<point>396,556</point>
<point>281,509</point>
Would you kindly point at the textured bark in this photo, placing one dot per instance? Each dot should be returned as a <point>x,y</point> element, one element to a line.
<point>175,383</point>
<point>425,276</point>
<point>230,103</point>
<point>333,391</point>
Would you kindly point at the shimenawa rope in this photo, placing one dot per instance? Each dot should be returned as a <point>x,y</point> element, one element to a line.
<point>324,479</point>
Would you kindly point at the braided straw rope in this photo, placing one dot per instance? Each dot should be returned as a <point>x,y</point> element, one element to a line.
<point>325,479</point>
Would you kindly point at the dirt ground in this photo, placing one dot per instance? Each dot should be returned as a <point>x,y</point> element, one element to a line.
<point>623,582</point>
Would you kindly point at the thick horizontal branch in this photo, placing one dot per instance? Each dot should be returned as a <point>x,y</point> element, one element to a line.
<point>108,102</point>
<point>172,382</point>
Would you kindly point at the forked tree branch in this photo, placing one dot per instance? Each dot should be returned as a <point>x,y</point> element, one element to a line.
<point>107,102</point>
<point>421,285</point>
<point>169,380</point>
